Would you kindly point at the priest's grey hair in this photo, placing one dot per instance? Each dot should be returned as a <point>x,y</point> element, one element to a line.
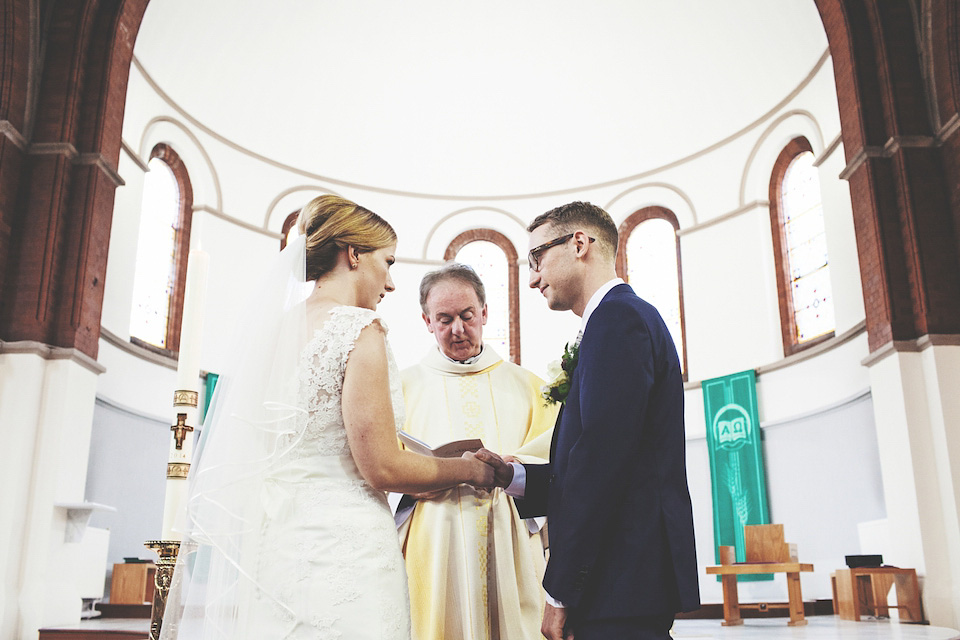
<point>452,271</point>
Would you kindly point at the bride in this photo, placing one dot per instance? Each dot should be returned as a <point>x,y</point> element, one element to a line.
<point>287,532</point>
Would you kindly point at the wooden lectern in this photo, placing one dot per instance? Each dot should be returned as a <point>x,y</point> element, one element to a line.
<point>132,583</point>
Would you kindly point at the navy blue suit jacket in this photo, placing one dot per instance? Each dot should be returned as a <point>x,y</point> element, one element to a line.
<point>615,491</point>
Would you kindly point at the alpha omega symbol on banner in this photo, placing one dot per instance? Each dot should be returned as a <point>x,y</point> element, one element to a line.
<point>731,427</point>
<point>737,472</point>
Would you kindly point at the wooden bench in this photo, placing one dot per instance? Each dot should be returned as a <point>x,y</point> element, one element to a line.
<point>863,591</point>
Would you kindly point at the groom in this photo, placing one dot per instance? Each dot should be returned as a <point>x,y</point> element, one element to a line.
<point>622,558</point>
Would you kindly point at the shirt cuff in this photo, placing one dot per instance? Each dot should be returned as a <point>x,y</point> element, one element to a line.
<point>518,486</point>
<point>553,602</point>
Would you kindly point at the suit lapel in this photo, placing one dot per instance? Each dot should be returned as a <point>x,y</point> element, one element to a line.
<point>556,430</point>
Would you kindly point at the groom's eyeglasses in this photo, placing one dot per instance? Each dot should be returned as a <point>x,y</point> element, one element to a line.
<point>533,258</point>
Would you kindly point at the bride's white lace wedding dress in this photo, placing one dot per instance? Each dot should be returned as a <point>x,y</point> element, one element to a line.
<point>331,566</point>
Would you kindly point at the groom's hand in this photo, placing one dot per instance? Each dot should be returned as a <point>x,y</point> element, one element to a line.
<point>483,479</point>
<point>554,623</point>
<point>502,471</point>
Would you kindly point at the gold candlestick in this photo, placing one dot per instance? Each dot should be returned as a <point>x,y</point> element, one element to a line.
<point>167,550</point>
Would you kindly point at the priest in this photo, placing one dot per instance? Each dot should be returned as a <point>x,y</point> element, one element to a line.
<point>474,566</point>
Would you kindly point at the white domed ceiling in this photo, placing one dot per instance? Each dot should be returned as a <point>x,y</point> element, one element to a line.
<point>478,98</point>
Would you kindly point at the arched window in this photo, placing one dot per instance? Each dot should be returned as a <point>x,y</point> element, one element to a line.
<point>162,249</point>
<point>800,249</point>
<point>289,231</point>
<point>494,258</point>
<point>648,258</point>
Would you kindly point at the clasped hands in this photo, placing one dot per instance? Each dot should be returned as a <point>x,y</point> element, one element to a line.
<point>496,471</point>
<point>499,469</point>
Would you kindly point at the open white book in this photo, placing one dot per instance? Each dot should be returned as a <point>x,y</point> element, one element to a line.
<point>453,449</point>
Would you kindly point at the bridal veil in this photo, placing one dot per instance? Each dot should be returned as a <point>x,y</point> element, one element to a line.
<point>253,420</point>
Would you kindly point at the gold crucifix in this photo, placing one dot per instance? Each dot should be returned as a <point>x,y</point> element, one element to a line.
<point>180,430</point>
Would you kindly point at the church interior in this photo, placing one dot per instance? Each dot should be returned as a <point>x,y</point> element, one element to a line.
<point>785,177</point>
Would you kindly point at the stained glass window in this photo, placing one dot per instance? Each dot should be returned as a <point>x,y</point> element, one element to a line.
<point>653,273</point>
<point>806,249</point>
<point>155,272</point>
<point>490,263</point>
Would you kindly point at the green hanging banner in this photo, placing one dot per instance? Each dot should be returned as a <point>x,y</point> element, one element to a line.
<point>209,385</point>
<point>734,442</point>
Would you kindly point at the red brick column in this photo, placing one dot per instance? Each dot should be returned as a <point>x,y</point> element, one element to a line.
<point>905,208</point>
<point>14,79</point>
<point>61,201</point>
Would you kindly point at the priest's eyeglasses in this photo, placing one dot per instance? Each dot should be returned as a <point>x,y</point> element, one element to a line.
<point>533,258</point>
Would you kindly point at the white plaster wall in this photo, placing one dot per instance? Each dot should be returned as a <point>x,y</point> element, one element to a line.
<point>136,448</point>
<point>822,381</point>
<point>730,296</point>
<point>147,388</point>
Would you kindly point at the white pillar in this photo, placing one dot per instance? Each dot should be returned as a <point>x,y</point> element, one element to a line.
<point>916,395</point>
<point>47,398</point>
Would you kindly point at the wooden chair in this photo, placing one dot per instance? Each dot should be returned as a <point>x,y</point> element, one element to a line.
<point>766,552</point>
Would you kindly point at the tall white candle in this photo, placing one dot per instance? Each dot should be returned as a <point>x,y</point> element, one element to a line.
<point>188,379</point>
<point>188,366</point>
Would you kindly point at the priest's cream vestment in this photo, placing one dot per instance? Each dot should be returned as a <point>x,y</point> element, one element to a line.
<point>474,566</point>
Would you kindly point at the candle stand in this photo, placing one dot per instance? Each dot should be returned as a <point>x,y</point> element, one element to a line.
<point>167,551</point>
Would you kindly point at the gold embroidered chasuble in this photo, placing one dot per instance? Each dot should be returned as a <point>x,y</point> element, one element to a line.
<point>474,568</point>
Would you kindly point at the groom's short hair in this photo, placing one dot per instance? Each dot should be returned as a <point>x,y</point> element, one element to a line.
<point>569,217</point>
<point>452,271</point>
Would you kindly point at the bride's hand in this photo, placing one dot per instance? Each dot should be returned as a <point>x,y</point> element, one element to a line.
<point>483,474</point>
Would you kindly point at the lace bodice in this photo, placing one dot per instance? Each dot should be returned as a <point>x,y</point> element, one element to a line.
<point>323,363</point>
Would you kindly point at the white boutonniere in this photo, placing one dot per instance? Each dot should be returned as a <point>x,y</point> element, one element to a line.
<point>562,372</point>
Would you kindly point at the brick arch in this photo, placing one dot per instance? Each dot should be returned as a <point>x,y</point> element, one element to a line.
<point>513,276</point>
<point>288,223</point>
<point>944,52</point>
<point>165,153</point>
<point>623,235</point>
<point>788,324</point>
<point>906,213</point>
<point>14,80</point>
<point>58,178</point>
<point>944,73</point>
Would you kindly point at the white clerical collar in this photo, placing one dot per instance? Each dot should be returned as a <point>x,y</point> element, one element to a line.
<point>595,299</point>
<point>436,359</point>
<point>469,360</point>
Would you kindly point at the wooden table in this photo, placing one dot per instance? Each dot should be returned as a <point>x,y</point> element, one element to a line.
<point>731,602</point>
<point>863,591</point>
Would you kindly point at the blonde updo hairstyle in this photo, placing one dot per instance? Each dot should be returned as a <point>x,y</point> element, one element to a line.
<point>331,223</point>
